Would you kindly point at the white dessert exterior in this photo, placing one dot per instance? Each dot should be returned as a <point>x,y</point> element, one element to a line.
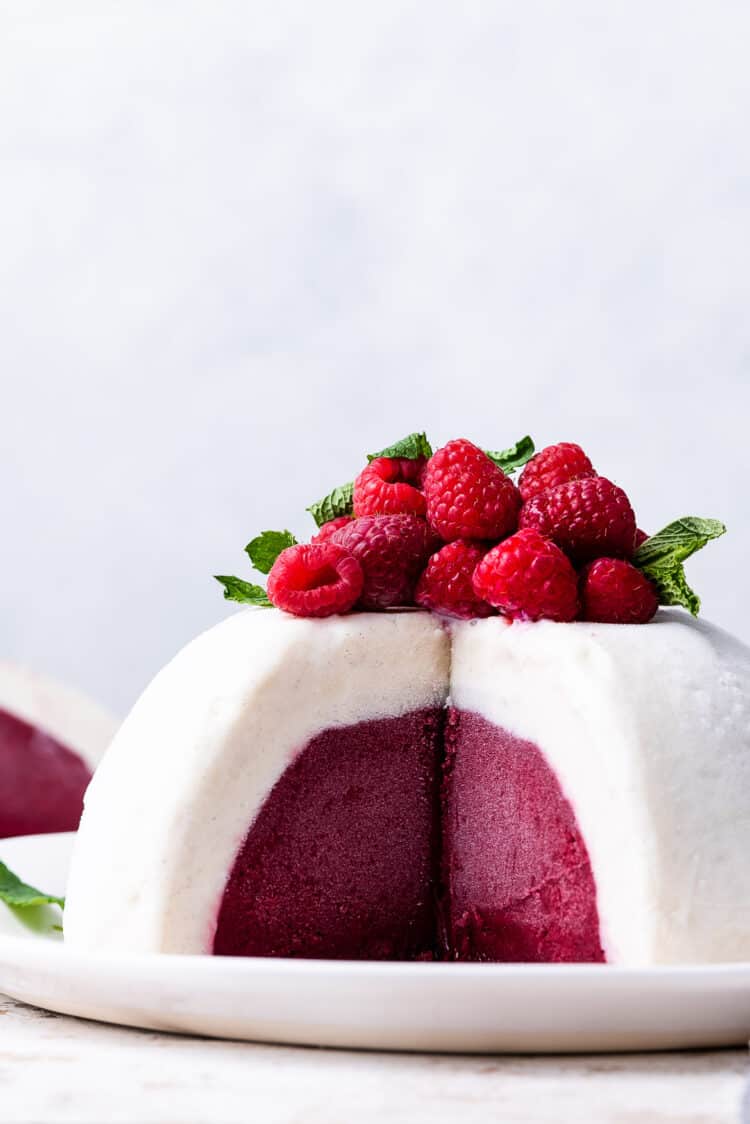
<point>647,728</point>
<point>67,715</point>
<point>194,761</point>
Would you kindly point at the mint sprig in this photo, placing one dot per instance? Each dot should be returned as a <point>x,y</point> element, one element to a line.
<point>235,589</point>
<point>338,502</point>
<point>263,551</point>
<point>411,447</point>
<point>662,555</point>
<point>266,547</point>
<point>16,893</point>
<point>515,457</point>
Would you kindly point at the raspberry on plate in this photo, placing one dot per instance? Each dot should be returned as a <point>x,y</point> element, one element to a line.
<point>529,578</point>
<point>614,592</point>
<point>329,529</point>
<point>557,464</point>
<point>590,518</point>
<point>315,580</point>
<point>445,586</point>
<point>469,497</point>
<point>392,551</point>
<point>387,487</point>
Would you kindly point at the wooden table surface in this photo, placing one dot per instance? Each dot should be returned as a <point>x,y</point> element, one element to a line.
<point>54,1068</point>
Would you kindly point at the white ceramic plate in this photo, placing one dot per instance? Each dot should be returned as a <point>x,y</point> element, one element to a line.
<point>513,1008</point>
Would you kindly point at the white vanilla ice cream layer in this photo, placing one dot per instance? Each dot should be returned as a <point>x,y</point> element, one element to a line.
<point>186,775</point>
<point>647,728</point>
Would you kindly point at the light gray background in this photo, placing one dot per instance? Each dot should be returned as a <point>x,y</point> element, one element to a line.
<point>242,243</point>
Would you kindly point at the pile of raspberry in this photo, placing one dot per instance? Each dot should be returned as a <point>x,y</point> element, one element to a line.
<point>455,535</point>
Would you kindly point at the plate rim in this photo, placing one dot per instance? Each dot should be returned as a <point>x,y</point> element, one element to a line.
<point>423,1006</point>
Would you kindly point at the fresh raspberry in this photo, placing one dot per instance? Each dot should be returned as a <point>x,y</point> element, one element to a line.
<point>555,465</point>
<point>469,497</point>
<point>528,577</point>
<point>386,487</point>
<point>392,550</point>
<point>615,592</point>
<point>329,529</point>
<point>586,518</point>
<point>445,586</point>
<point>315,580</point>
<point>640,537</point>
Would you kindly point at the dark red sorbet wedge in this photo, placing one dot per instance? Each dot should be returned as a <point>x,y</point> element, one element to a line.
<point>517,879</point>
<point>42,782</point>
<point>341,861</point>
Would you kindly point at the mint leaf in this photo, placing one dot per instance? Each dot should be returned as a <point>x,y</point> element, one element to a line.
<point>235,589</point>
<point>678,540</point>
<point>514,457</point>
<point>411,447</point>
<point>17,893</point>
<point>338,502</point>
<point>661,557</point>
<point>673,589</point>
<point>266,547</point>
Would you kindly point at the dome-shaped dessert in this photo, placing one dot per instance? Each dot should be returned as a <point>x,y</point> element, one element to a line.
<point>537,765</point>
<point>392,786</point>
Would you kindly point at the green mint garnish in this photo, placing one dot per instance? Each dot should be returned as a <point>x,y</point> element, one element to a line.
<point>661,557</point>
<point>514,457</point>
<point>17,893</point>
<point>411,447</point>
<point>235,589</point>
<point>266,547</point>
<point>338,502</point>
